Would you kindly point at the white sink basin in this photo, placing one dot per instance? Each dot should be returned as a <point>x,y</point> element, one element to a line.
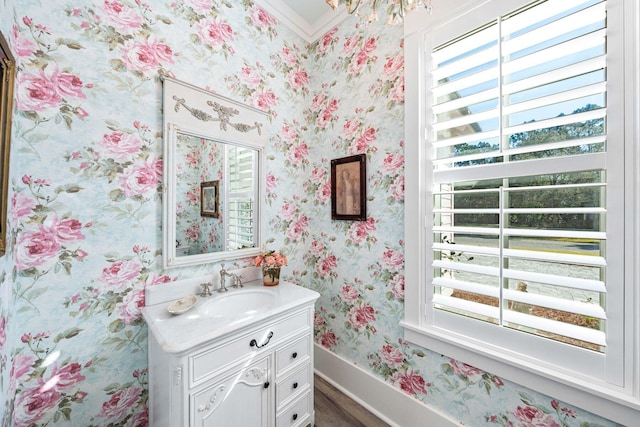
<point>217,315</point>
<point>236,304</point>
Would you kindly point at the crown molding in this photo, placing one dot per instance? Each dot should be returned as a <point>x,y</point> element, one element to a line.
<point>310,32</point>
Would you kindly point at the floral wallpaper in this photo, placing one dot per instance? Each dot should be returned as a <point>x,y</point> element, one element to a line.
<point>86,211</point>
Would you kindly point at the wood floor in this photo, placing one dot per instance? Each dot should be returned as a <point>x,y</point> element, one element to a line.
<point>334,409</point>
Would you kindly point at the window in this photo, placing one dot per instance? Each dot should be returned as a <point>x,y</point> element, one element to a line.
<point>520,169</point>
<point>518,239</point>
<point>241,197</point>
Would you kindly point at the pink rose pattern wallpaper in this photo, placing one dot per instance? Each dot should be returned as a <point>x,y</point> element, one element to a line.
<point>86,202</point>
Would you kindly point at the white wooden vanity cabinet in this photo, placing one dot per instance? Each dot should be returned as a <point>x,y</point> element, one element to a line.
<point>258,372</point>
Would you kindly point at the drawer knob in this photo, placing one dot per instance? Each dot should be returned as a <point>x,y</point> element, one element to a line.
<point>254,343</point>
<point>294,355</point>
<point>295,417</point>
<point>266,384</point>
<point>295,385</point>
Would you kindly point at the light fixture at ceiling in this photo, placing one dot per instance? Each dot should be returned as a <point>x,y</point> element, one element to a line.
<point>396,9</point>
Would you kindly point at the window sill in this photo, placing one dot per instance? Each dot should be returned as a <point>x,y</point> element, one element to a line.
<point>595,397</point>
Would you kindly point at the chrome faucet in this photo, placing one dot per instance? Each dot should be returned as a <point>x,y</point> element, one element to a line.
<point>223,274</point>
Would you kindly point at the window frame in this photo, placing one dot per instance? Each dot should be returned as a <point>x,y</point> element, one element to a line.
<point>619,402</point>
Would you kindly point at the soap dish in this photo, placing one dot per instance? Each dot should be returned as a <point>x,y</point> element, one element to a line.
<point>182,305</point>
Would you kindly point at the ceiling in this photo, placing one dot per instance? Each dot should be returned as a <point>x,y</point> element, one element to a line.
<point>310,19</point>
<point>309,10</point>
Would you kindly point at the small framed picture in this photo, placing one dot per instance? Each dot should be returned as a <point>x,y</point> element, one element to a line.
<point>349,188</point>
<point>209,205</point>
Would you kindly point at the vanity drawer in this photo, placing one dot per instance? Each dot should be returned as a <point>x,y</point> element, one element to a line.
<point>204,364</point>
<point>293,353</point>
<point>296,383</point>
<point>298,414</point>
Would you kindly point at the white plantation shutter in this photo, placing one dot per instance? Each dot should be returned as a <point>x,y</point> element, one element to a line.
<point>241,197</point>
<point>521,220</point>
<point>519,170</point>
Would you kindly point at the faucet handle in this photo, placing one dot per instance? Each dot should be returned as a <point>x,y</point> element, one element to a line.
<point>206,291</point>
<point>237,278</point>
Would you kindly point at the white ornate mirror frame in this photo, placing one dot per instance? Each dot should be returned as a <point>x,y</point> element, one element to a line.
<point>195,112</point>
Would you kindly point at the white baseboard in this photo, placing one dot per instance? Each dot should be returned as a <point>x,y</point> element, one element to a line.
<point>391,405</point>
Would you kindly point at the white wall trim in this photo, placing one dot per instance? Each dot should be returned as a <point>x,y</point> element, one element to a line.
<point>388,403</point>
<point>563,386</point>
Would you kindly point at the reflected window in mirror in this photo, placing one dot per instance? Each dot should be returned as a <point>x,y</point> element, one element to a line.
<point>241,197</point>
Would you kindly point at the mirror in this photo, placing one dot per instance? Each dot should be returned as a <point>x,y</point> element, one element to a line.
<point>7,76</point>
<point>213,185</point>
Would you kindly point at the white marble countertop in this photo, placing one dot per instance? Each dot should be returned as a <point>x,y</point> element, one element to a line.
<point>177,334</point>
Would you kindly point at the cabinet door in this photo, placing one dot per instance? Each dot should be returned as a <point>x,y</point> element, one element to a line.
<point>238,398</point>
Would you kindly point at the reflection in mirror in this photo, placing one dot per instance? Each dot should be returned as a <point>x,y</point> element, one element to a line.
<point>7,76</point>
<point>198,223</point>
<point>210,198</point>
<point>213,177</point>
<point>216,192</point>
<point>240,197</point>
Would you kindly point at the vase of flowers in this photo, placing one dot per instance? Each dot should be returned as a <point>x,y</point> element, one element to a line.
<point>270,262</point>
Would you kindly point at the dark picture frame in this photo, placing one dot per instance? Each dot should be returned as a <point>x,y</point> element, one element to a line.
<point>349,188</point>
<point>209,198</point>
